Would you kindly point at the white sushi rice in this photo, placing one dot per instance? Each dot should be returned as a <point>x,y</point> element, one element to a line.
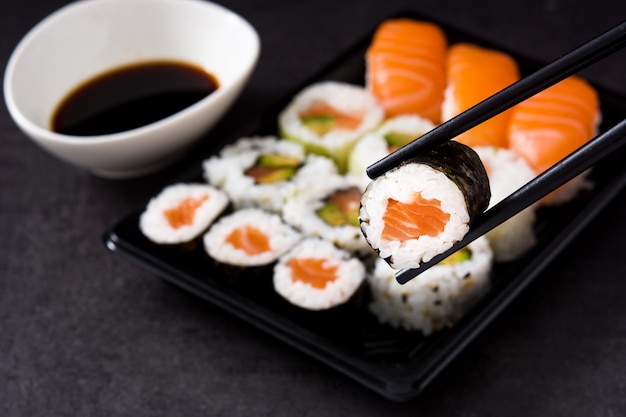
<point>434,299</point>
<point>568,191</point>
<point>373,146</point>
<point>281,237</point>
<point>350,276</point>
<point>508,172</point>
<point>300,212</point>
<point>449,106</point>
<point>402,184</point>
<point>344,97</point>
<point>227,171</point>
<point>154,224</point>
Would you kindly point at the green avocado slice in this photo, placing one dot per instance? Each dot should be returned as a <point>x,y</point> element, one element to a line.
<point>320,124</point>
<point>278,161</point>
<point>459,256</point>
<point>398,139</point>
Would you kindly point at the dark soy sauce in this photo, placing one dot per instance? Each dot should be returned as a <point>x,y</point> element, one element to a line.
<point>132,96</point>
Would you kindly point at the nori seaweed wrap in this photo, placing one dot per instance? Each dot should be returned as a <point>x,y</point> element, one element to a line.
<point>422,207</point>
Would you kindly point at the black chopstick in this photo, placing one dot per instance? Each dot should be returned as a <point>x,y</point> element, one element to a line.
<point>569,167</point>
<point>569,64</point>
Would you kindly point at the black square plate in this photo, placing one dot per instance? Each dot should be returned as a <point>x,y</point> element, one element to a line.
<point>394,363</point>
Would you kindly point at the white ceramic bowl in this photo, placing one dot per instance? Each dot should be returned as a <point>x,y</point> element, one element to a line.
<point>89,37</point>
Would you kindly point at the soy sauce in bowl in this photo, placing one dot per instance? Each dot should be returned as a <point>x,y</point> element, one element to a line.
<point>131,96</point>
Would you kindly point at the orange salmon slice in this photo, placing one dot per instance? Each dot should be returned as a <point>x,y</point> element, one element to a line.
<point>404,221</point>
<point>348,200</point>
<point>405,68</point>
<point>475,73</point>
<point>185,212</point>
<point>316,272</point>
<point>249,239</point>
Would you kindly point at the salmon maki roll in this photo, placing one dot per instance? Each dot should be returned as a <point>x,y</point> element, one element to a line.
<point>405,68</point>
<point>422,207</point>
<point>182,212</point>
<point>473,74</point>
<point>249,238</point>
<point>550,125</point>
<point>316,275</point>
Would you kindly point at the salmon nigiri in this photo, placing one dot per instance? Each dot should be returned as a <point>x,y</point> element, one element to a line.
<point>553,123</point>
<point>405,68</point>
<point>473,74</point>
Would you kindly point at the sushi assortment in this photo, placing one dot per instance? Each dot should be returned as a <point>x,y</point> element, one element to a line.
<point>299,209</point>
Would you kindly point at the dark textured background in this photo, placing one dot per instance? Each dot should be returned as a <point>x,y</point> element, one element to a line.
<point>85,333</point>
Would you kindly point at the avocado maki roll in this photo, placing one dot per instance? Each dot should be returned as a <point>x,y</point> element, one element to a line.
<point>392,134</point>
<point>264,171</point>
<point>422,207</point>
<point>328,117</point>
<point>330,210</point>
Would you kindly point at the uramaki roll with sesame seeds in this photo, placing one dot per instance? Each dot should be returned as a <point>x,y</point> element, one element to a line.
<point>439,296</point>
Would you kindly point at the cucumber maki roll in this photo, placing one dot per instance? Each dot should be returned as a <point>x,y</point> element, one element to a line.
<point>422,207</point>
<point>330,210</point>
<point>328,118</point>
